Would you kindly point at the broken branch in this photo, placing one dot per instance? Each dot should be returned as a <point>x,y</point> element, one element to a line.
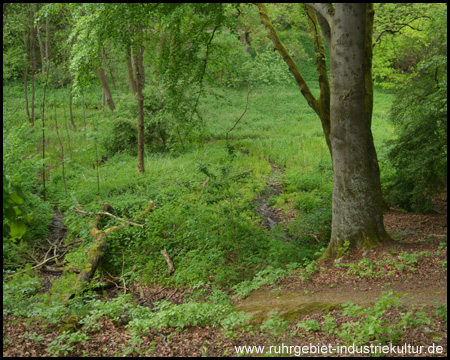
<point>169,262</point>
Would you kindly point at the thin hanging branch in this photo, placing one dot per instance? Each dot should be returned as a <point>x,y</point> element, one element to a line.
<point>239,119</point>
<point>205,64</point>
<point>70,104</point>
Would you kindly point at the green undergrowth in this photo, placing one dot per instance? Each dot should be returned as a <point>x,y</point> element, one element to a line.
<point>206,191</point>
<point>205,218</point>
<point>81,317</point>
<point>370,325</point>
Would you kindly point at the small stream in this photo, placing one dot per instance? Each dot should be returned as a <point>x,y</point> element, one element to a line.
<point>271,216</point>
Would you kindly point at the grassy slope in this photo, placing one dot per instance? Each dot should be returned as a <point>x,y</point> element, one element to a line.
<point>278,128</point>
<point>199,226</point>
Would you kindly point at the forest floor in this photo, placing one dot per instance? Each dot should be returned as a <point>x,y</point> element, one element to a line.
<point>423,283</point>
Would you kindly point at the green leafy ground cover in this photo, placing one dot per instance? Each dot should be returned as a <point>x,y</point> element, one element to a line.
<point>205,217</point>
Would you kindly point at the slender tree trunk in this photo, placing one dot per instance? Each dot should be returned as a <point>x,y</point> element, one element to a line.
<point>32,97</point>
<point>130,75</point>
<point>244,37</point>
<point>25,87</point>
<point>47,38</point>
<point>105,60</point>
<point>33,66</point>
<point>41,48</point>
<point>141,65</point>
<point>103,100</point>
<point>25,78</point>
<point>84,112</point>
<point>138,67</point>
<point>106,90</point>
<point>70,104</point>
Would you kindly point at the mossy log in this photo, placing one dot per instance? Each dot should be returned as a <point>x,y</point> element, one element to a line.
<point>97,251</point>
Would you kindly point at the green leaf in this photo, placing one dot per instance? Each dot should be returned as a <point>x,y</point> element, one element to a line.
<point>16,198</point>
<point>18,229</point>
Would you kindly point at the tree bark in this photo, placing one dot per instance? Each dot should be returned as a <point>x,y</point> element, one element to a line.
<point>106,90</point>
<point>356,205</point>
<point>375,169</point>
<point>44,48</point>
<point>244,37</point>
<point>141,65</point>
<point>138,67</point>
<point>170,267</point>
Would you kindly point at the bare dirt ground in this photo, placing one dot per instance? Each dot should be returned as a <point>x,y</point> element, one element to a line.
<point>422,284</point>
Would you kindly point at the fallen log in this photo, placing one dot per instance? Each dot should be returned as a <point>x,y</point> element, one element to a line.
<point>97,251</point>
<point>53,269</point>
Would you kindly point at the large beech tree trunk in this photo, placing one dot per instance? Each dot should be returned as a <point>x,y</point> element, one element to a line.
<point>345,110</point>
<point>355,194</point>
